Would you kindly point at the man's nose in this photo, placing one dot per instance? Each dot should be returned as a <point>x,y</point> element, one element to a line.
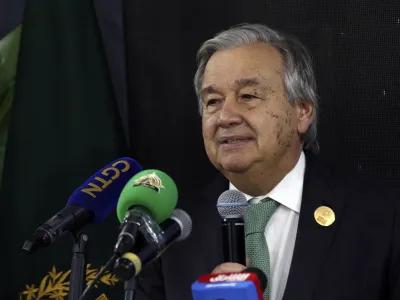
<point>229,113</point>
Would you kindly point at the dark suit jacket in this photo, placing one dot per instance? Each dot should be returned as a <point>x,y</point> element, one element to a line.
<point>357,257</point>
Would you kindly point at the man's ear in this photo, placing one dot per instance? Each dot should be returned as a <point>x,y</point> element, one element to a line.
<point>305,115</point>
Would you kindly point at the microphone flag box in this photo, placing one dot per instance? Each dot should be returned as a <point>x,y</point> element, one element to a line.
<point>227,286</point>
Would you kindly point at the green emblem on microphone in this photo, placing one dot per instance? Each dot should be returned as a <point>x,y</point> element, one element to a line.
<point>150,180</point>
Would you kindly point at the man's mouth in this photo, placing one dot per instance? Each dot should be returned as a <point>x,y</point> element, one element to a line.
<point>235,140</point>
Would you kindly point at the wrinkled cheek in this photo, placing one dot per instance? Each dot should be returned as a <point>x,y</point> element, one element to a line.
<point>211,151</point>
<point>278,133</point>
<point>284,136</point>
<point>270,135</point>
<point>208,131</point>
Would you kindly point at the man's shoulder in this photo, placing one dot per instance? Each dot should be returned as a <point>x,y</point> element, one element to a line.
<point>362,187</point>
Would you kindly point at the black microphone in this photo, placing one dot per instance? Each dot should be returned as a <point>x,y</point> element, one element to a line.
<point>152,245</point>
<point>232,206</point>
<point>90,203</point>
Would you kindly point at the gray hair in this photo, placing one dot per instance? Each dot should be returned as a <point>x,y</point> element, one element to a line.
<point>299,79</point>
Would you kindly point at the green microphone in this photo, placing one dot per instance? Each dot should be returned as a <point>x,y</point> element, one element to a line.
<point>148,198</point>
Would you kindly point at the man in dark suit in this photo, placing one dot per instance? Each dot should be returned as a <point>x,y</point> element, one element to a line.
<point>327,236</point>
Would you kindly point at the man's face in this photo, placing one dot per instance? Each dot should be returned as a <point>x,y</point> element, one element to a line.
<point>247,119</point>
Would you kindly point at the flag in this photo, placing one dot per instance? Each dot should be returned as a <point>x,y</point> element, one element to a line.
<point>9,46</point>
<point>64,126</point>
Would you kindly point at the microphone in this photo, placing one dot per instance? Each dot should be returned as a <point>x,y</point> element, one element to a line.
<point>91,202</point>
<point>176,228</point>
<point>146,200</point>
<point>246,285</point>
<point>232,206</point>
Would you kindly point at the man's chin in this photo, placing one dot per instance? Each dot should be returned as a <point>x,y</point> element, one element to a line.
<point>234,166</point>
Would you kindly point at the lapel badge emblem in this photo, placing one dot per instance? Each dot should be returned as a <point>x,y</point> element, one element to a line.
<point>324,216</point>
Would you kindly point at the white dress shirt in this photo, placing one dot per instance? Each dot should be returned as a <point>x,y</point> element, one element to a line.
<point>281,229</point>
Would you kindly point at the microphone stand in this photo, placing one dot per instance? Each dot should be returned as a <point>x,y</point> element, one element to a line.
<point>78,266</point>
<point>152,233</point>
<point>129,288</point>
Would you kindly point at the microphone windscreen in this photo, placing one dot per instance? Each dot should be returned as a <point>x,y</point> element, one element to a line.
<point>152,189</point>
<point>184,221</point>
<point>232,204</point>
<point>100,192</point>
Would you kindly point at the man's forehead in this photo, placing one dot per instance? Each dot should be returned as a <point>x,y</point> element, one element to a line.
<point>237,83</point>
<point>250,58</point>
<point>241,81</point>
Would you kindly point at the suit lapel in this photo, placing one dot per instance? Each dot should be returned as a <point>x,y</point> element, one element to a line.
<point>313,240</point>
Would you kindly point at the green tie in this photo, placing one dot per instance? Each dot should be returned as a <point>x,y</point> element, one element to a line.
<point>255,221</point>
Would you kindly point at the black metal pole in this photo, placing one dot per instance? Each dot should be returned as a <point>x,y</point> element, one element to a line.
<point>78,266</point>
<point>129,287</point>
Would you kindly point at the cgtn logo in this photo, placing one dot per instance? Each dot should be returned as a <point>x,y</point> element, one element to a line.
<point>230,277</point>
<point>110,174</point>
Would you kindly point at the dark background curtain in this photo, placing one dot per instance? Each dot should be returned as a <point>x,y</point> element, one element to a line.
<point>356,49</point>
<point>11,13</point>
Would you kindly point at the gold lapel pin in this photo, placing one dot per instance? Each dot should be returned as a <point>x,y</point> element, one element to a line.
<point>324,216</point>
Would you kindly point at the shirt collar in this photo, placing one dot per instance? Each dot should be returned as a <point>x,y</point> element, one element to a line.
<point>289,190</point>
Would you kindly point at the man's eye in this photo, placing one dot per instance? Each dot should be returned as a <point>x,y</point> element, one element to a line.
<point>247,96</point>
<point>212,102</point>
